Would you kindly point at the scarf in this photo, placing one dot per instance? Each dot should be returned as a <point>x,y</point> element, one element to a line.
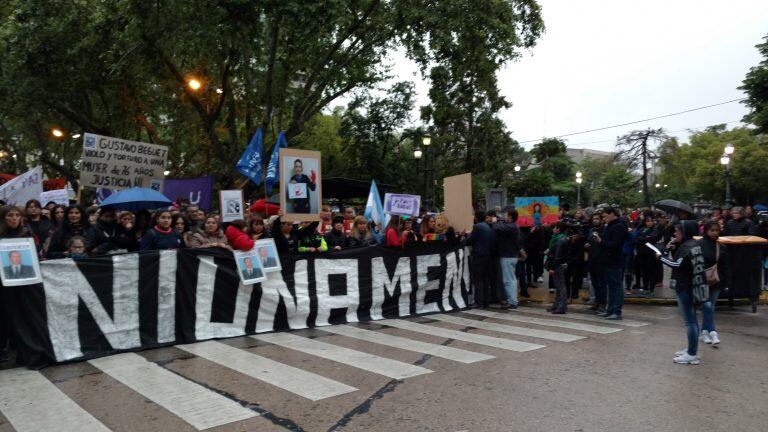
<point>554,240</point>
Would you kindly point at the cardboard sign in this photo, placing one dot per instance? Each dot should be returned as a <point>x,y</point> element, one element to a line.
<point>266,250</point>
<point>231,202</point>
<point>23,188</point>
<point>19,261</point>
<point>249,267</point>
<point>297,190</point>
<point>402,204</point>
<point>59,196</point>
<point>114,163</point>
<point>458,201</point>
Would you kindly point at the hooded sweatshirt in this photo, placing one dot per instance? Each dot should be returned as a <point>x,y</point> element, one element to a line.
<point>687,261</point>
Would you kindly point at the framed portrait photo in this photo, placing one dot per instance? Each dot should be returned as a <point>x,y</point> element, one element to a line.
<point>301,185</point>
<point>19,262</point>
<point>249,267</point>
<point>232,205</point>
<point>267,252</point>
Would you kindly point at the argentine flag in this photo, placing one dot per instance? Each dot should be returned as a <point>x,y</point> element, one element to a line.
<point>374,211</point>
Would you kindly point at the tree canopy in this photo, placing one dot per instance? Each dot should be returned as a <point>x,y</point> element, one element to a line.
<point>121,68</point>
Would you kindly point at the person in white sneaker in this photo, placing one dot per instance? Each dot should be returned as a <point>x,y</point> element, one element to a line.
<point>718,277</point>
<point>687,265</point>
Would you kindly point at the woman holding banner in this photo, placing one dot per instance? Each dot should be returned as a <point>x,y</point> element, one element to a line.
<point>163,235</point>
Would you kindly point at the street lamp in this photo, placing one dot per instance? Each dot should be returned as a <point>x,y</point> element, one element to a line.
<point>517,168</point>
<point>166,172</point>
<point>426,140</point>
<point>578,189</point>
<point>57,132</point>
<point>417,153</point>
<point>725,160</point>
<point>194,84</point>
<point>76,136</point>
<point>729,149</point>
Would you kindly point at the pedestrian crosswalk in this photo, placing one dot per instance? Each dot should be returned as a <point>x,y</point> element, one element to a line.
<point>32,401</point>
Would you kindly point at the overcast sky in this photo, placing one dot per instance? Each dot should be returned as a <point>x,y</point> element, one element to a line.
<point>605,62</point>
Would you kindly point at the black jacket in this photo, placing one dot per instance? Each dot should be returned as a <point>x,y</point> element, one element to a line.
<point>111,237</point>
<point>507,239</point>
<point>723,264</point>
<point>482,240</point>
<point>596,258</point>
<point>334,238</point>
<point>739,227</point>
<point>558,253</point>
<point>646,235</point>
<point>613,242</point>
<point>680,258</point>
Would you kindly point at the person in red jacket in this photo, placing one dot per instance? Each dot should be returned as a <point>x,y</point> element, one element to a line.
<point>392,233</point>
<point>237,236</point>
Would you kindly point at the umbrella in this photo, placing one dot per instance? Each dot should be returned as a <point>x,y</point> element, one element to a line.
<point>266,207</point>
<point>759,207</point>
<point>135,199</point>
<point>673,206</point>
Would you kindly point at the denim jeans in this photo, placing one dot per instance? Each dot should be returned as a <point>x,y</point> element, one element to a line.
<point>708,310</point>
<point>615,290</point>
<point>509,277</point>
<point>688,310</point>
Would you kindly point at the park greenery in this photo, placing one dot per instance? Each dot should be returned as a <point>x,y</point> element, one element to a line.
<point>322,73</point>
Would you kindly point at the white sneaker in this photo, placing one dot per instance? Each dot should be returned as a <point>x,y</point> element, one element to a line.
<point>705,337</point>
<point>681,352</point>
<point>714,337</point>
<point>687,359</point>
<point>540,280</point>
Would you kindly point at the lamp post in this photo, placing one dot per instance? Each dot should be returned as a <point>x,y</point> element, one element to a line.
<point>725,160</point>
<point>578,189</point>
<point>418,153</point>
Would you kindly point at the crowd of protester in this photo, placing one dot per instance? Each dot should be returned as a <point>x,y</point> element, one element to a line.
<point>602,246</point>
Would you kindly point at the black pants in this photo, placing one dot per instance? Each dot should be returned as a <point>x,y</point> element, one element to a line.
<point>5,322</point>
<point>574,279</point>
<point>482,273</point>
<point>647,271</point>
<point>534,266</point>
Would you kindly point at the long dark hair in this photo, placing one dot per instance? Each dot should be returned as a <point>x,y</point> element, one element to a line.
<point>54,222</point>
<point>67,225</point>
<point>394,222</point>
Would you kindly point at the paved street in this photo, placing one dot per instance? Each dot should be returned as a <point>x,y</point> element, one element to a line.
<point>521,370</point>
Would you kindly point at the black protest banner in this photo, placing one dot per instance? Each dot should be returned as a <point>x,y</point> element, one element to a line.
<point>127,302</point>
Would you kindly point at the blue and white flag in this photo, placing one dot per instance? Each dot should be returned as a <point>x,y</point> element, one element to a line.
<point>251,160</point>
<point>273,171</point>
<point>374,211</point>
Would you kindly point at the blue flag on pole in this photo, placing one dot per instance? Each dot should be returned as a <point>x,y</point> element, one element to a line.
<point>251,160</point>
<point>273,171</point>
<point>374,211</point>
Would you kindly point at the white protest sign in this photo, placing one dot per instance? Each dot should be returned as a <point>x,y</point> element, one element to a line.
<point>59,196</point>
<point>114,163</point>
<point>231,203</point>
<point>23,188</point>
<point>297,190</point>
<point>402,204</point>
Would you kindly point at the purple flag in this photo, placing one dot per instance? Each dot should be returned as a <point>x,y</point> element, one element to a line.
<point>198,190</point>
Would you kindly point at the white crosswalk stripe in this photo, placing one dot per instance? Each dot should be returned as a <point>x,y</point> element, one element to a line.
<point>193,403</point>
<point>544,322</point>
<point>582,317</point>
<point>507,344</point>
<point>502,328</point>
<point>369,362</point>
<point>436,350</point>
<point>305,384</point>
<point>32,403</point>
